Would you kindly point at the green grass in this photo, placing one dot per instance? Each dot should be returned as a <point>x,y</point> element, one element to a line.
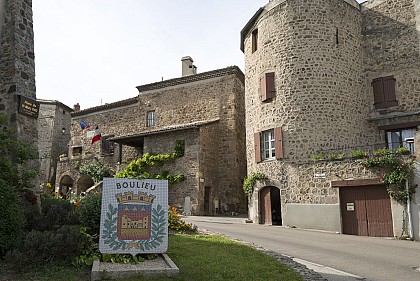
<point>199,257</point>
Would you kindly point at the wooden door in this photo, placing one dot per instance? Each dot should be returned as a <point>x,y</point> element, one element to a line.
<point>366,211</point>
<point>207,190</point>
<point>265,205</point>
<point>379,214</point>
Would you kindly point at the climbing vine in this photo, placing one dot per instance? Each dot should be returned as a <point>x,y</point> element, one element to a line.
<point>396,167</point>
<point>251,180</point>
<point>141,168</point>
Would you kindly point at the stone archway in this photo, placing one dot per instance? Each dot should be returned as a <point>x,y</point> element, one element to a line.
<point>66,183</point>
<point>270,205</point>
<point>83,183</point>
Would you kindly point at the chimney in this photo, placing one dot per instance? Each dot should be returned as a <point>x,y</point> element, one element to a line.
<point>76,107</point>
<point>187,66</point>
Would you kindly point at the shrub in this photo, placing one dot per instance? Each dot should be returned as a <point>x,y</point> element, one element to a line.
<point>96,170</point>
<point>55,213</point>
<point>175,222</point>
<point>46,247</point>
<point>358,154</point>
<point>12,219</point>
<point>89,211</point>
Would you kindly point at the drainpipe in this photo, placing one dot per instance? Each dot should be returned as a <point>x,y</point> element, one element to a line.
<point>410,223</point>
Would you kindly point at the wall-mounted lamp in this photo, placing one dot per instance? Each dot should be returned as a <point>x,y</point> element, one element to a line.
<point>63,130</point>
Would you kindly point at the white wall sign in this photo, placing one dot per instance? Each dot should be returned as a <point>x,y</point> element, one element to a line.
<point>350,206</point>
<point>134,216</point>
<point>90,134</point>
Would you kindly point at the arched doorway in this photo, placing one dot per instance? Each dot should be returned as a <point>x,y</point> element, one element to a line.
<point>83,183</point>
<point>270,206</point>
<point>66,183</point>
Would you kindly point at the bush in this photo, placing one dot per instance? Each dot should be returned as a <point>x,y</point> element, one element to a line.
<point>12,219</point>
<point>175,222</point>
<point>55,213</point>
<point>41,247</point>
<point>89,211</point>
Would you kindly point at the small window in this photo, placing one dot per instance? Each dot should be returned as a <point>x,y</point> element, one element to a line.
<point>384,92</point>
<point>401,138</point>
<point>268,88</point>
<point>76,150</point>
<point>151,118</point>
<point>107,147</point>
<point>254,40</point>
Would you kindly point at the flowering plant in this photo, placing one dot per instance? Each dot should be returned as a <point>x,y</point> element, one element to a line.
<point>397,168</point>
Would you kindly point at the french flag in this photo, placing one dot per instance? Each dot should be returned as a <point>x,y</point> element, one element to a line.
<point>97,135</point>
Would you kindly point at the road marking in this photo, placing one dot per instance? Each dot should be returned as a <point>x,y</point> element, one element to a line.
<point>329,273</point>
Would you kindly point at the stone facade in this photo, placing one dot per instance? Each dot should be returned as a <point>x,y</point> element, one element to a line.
<point>204,110</point>
<point>324,55</point>
<point>54,123</point>
<point>17,65</point>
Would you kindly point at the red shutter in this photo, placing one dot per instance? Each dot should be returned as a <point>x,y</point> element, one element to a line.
<point>389,91</point>
<point>378,93</point>
<point>278,139</point>
<point>257,146</point>
<point>263,89</point>
<point>270,85</point>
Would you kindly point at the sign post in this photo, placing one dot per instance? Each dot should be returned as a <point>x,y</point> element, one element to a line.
<point>134,216</point>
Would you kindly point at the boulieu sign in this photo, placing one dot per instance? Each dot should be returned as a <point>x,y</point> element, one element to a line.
<point>134,216</point>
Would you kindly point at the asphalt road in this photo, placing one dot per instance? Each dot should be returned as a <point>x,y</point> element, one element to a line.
<point>373,259</point>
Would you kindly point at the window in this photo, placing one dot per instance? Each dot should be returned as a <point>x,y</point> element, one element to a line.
<point>268,145</point>
<point>76,150</point>
<point>269,150</point>
<point>107,147</point>
<point>384,92</point>
<point>268,89</point>
<point>400,138</point>
<point>151,118</point>
<point>254,40</point>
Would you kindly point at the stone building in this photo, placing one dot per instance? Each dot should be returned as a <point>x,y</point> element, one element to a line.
<point>54,122</point>
<point>330,77</point>
<point>17,69</point>
<point>205,111</point>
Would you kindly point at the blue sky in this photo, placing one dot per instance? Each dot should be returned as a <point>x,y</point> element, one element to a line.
<point>97,51</point>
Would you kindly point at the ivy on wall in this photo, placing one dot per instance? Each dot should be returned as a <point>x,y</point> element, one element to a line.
<point>141,168</point>
<point>397,168</point>
<point>251,180</point>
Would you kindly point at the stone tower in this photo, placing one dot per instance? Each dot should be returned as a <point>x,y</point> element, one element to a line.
<point>17,69</point>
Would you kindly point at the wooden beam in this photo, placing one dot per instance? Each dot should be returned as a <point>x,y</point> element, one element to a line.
<point>359,182</point>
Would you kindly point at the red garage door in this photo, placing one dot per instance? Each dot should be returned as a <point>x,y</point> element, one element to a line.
<point>366,211</point>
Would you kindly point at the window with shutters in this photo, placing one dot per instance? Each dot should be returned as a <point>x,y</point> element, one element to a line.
<point>268,145</point>
<point>268,88</point>
<point>254,40</point>
<point>384,92</point>
<point>150,119</point>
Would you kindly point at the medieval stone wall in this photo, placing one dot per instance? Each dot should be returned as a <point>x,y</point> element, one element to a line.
<point>391,47</point>
<point>204,111</point>
<point>314,50</point>
<point>53,118</point>
<point>17,66</point>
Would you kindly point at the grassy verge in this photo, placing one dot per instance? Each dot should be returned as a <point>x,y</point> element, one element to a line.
<point>199,257</point>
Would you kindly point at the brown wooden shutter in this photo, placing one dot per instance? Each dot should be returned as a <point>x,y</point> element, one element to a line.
<point>257,146</point>
<point>263,89</point>
<point>270,85</point>
<point>378,93</point>
<point>389,91</point>
<point>278,139</point>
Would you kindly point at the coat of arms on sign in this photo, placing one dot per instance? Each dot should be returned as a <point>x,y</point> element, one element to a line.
<point>134,221</point>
